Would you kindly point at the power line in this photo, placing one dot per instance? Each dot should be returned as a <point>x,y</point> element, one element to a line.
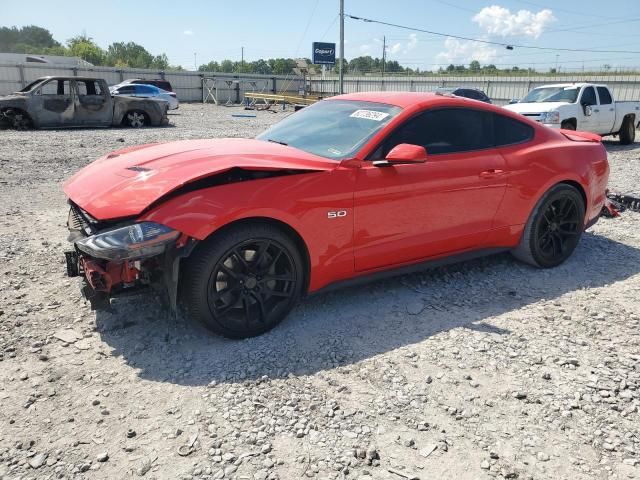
<point>488,42</point>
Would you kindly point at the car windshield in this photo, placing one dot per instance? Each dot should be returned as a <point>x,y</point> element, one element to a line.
<point>552,94</point>
<point>334,129</point>
<point>30,86</point>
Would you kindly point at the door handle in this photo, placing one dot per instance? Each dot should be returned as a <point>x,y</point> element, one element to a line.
<point>494,172</point>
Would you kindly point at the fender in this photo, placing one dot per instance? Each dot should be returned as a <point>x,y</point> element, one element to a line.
<point>201,213</point>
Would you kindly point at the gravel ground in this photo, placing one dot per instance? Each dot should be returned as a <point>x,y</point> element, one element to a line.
<point>484,369</point>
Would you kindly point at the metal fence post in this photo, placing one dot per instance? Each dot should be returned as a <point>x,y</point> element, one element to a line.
<point>274,85</point>
<point>22,81</point>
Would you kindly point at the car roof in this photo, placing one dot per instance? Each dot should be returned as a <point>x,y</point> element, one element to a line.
<point>409,99</point>
<point>62,77</point>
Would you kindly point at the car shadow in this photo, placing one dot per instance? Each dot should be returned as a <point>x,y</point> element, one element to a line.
<point>344,327</point>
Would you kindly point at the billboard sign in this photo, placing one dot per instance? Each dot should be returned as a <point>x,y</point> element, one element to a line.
<point>324,53</point>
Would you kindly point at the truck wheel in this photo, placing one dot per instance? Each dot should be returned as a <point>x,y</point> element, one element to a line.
<point>243,281</point>
<point>136,119</point>
<point>553,229</point>
<point>627,131</point>
<point>17,119</point>
<point>567,125</point>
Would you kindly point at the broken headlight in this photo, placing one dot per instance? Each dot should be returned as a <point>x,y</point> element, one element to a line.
<point>138,240</point>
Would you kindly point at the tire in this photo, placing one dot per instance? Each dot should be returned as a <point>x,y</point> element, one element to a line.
<point>627,131</point>
<point>553,229</point>
<point>17,119</point>
<point>244,281</point>
<point>568,125</point>
<point>136,119</point>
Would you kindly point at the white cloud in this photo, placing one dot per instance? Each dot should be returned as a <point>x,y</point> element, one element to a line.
<point>461,52</point>
<point>365,48</point>
<point>395,48</point>
<point>188,33</point>
<point>496,20</point>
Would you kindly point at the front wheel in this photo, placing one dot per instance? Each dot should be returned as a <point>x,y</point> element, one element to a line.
<point>627,131</point>
<point>243,281</point>
<point>553,229</point>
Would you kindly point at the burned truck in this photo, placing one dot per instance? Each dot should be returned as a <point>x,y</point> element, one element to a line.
<point>59,102</point>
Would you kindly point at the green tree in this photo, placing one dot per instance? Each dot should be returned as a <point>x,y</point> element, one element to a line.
<point>474,66</point>
<point>212,66</point>
<point>226,66</point>
<point>85,48</point>
<point>260,66</point>
<point>27,39</point>
<point>129,54</point>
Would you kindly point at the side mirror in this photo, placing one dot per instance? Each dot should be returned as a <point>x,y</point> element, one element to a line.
<point>588,111</point>
<point>404,153</point>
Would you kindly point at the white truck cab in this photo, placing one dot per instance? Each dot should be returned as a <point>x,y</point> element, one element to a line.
<point>581,106</point>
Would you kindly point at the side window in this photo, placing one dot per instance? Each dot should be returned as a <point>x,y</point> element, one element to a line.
<point>88,87</point>
<point>509,131</point>
<point>56,87</point>
<point>126,90</point>
<point>605,96</point>
<point>443,131</point>
<point>589,96</point>
<point>472,94</point>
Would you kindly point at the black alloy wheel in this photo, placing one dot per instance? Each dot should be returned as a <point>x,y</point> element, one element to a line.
<point>251,283</point>
<point>554,228</point>
<point>245,281</point>
<point>559,228</point>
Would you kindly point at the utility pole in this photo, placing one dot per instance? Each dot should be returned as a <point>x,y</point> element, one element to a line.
<point>384,52</point>
<point>195,61</point>
<point>242,59</point>
<point>340,66</point>
<point>557,55</point>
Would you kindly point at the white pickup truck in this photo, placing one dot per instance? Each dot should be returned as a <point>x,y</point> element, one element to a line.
<point>581,106</point>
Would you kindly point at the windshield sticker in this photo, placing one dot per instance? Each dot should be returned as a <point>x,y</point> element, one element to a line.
<point>370,115</point>
<point>335,152</point>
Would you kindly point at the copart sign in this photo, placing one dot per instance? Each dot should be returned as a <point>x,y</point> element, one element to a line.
<point>324,53</point>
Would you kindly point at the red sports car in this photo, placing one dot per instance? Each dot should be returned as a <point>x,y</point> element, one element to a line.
<point>355,186</point>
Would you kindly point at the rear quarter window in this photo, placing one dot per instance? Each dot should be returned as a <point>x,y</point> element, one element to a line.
<point>509,131</point>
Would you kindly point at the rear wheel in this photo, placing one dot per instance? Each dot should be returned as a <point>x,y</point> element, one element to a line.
<point>244,281</point>
<point>627,131</point>
<point>136,119</point>
<point>554,228</point>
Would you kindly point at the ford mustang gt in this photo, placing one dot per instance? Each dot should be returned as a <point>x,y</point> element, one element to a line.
<point>354,187</point>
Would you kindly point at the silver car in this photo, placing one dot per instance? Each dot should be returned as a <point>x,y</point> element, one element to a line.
<point>146,91</point>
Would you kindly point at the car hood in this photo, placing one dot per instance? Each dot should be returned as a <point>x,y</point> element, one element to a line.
<point>534,107</point>
<point>125,182</point>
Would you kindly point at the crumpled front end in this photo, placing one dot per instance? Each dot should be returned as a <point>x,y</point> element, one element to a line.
<point>124,256</point>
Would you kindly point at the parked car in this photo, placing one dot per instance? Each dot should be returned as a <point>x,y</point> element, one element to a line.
<point>146,91</point>
<point>581,106</point>
<point>163,84</point>
<point>467,92</point>
<point>77,102</point>
<point>353,187</point>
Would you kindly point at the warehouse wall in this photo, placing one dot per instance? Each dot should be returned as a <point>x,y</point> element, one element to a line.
<point>189,85</point>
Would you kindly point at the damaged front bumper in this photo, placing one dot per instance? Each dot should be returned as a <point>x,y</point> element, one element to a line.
<point>124,258</point>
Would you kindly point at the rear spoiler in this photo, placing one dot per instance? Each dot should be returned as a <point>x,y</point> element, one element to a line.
<point>577,136</point>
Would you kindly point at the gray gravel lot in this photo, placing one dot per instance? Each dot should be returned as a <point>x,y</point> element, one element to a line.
<point>486,369</point>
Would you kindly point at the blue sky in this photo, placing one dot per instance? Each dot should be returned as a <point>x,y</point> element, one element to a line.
<point>215,30</point>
